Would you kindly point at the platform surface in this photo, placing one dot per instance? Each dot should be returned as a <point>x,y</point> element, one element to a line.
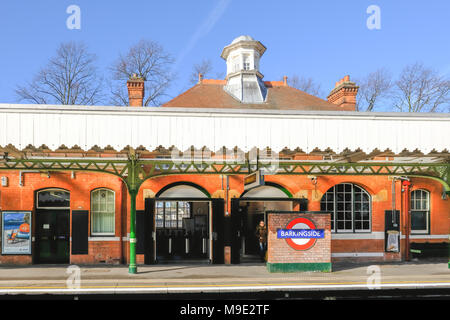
<point>197,278</point>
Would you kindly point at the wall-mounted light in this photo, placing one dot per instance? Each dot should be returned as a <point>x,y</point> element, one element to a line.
<point>4,181</point>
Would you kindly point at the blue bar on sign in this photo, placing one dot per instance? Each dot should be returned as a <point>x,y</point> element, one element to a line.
<point>300,233</point>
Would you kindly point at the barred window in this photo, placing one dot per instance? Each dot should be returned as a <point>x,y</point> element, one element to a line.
<point>350,208</point>
<point>170,214</point>
<point>102,212</point>
<point>420,211</point>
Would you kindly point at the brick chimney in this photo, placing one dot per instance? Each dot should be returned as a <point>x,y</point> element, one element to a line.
<point>136,91</point>
<point>344,94</point>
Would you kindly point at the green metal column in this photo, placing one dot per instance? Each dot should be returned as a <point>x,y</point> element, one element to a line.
<point>133,184</point>
<point>132,268</point>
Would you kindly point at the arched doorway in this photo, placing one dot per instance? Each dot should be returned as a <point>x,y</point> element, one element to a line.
<point>52,226</point>
<point>183,215</point>
<point>246,213</point>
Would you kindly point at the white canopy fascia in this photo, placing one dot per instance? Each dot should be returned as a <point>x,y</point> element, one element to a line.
<point>151,127</point>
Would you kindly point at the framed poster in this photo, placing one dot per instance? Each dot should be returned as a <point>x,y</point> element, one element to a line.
<point>16,232</point>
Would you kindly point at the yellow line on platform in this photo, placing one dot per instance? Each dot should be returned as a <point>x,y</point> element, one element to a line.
<point>227,285</point>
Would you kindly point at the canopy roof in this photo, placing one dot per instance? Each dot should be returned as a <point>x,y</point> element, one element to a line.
<point>86,127</point>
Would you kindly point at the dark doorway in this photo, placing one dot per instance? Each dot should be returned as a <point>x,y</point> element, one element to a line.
<point>246,213</point>
<point>52,229</point>
<point>52,236</point>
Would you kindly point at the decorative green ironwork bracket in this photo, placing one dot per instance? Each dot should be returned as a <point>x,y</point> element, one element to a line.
<point>134,171</point>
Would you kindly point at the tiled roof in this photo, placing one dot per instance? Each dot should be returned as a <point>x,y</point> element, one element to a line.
<point>210,93</point>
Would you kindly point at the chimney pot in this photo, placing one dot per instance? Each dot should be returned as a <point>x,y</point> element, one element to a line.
<point>136,91</point>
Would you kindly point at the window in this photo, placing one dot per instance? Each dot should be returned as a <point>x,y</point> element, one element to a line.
<point>170,214</point>
<point>349,206</point>
<point>246,62</point>
<point>102,212</point>
<point>53,199</point>
<point>420,211</point>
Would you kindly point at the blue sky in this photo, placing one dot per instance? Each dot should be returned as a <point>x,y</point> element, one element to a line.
<point>321,39</point>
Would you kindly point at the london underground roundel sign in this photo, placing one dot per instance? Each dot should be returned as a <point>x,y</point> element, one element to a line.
<point>300,234</point>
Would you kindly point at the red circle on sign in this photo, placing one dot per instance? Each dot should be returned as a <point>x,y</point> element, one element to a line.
<point>306,245</point>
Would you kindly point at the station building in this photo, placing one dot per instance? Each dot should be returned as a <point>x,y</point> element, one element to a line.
<point>134,185</point>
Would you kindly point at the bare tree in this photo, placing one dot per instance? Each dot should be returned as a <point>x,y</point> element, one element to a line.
<point>307,85</point>
<point>148,60</point>
<point>205,68</point>
<point>421,89</point>
<point>372,88</point>
<point>69,78</point>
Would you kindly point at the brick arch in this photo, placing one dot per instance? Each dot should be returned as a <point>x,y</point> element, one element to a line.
<point>181,183</point>
<point>276,185</point>
<point>324,188</point>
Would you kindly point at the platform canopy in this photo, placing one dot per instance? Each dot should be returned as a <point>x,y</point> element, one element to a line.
<point>87,127</point>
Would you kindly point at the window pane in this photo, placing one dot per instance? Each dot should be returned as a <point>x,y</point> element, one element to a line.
<point>348,225</point>
<point>418,220</point>
<point>330,196</point>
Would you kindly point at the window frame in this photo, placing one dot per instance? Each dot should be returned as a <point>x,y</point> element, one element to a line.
<point>102,234</point>
<point>427,211</point>
<point>334,220</point>
<point>51,208</point>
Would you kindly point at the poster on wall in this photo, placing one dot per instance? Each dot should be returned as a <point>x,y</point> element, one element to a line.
<point>16,232</point>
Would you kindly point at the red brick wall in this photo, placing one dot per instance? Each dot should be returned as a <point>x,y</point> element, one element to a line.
<point>15,197</point>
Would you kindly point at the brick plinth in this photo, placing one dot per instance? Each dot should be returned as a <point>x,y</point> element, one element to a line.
<point>281,257</point>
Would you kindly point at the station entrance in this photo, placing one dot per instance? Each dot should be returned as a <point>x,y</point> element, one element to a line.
<point>246,214</point>
<point>182,224</point>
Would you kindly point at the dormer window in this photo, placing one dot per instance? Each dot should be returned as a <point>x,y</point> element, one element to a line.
<point>235,64</point>
<point>246,62</point>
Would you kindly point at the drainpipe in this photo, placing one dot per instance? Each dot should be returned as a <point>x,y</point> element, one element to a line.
<point>227,213</point>
<point>406,187</point>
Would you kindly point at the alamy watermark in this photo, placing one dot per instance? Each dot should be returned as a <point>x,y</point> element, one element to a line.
<point>374,278</point>
<point>265,160</point>
<point>374,20</point>
<point>74,20</point>
<point>74,279</point>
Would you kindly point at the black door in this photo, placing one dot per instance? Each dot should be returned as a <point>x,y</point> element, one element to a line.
<point>149,231</point>
<point>218,210</point>
<point>236,226</point>
<point>52,236</point>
